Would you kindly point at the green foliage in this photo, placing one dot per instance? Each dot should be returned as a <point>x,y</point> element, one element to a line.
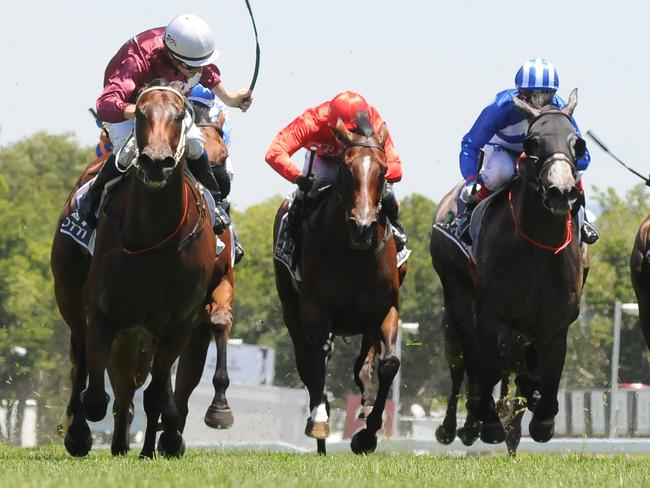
<point>590,339</point>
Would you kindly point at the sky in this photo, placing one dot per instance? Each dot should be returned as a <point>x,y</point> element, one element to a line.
<point>428,66</point>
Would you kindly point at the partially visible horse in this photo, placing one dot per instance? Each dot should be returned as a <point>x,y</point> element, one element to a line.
<point>192,359</point>
<point>530,271</point>
<point>350,284</point>
<point>457,275</point>
<point>132,306</point>
<point>640,276</point>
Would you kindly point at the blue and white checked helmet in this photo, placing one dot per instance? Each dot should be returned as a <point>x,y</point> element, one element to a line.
<point>201,95</point>
<point>537,74</point>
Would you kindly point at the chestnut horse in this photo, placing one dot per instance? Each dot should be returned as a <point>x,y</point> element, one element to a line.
<point>530,271</point>
<point>132,306</point>
<point>350,284</point>
<point>192,359</point>
<point>640,275</point>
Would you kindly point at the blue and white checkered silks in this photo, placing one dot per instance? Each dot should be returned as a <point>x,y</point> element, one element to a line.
<point>537,74</point>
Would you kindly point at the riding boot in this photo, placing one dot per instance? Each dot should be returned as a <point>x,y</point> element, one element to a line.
<point>201,170</point>
<point>465,217</point>
<point>390,206</point>
<point>89,202</point>
<point>588,233</point>
<point>239,249</point>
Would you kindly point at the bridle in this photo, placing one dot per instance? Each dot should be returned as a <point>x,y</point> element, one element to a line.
<point>542,168</point>
<point>370,144</point>
<point>187,122</point>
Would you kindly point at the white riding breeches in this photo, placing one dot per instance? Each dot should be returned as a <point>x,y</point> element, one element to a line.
<point>120,134</point>
<point>322,169</point>
<point>498,167</point>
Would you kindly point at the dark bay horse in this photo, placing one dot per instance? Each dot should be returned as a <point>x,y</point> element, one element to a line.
<point>640,275</point>
<point>192,359</point>
<point>350,284</point>
<point>457,276</point>
<point>133,305</point>
<point>530,271</point>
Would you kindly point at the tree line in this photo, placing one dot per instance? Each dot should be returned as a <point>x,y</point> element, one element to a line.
<point>38,172</point>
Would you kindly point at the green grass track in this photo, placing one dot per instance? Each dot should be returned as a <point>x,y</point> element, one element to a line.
<point>52,467</point>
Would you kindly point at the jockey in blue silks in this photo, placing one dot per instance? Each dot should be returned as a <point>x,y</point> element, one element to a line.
<point>500,131</point>
<point>200,94</point>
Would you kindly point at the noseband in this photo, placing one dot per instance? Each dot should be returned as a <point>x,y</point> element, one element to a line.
<point>188,120</point>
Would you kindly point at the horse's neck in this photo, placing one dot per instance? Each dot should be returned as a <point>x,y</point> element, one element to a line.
<point>152,215</point>
<point>535,220</point>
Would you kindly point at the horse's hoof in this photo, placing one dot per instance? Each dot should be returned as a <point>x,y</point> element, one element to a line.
<point>78,447</point>
<point>445,435</point>
<point>541,430</point>
<point>218,418</point>
<point>363,442</point>
<point>365,412</point>
<point>119,450</point>
<point>467,435</point>
<point>171,445</point>
<point>95,411</point>
<point>317,430</point>
<point>493,433</point>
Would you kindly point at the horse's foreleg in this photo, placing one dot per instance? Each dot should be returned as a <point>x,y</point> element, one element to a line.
<point>123,415</point>
<point>159,399</point>
<point>550,359</point>
<point>190,369</point>
<point>485,371</point>
<point>219,415</point>
<point>78,440</point>
<point>365,441</point>
<point>363,371</point>
<point>318,330</point>
<point>99,338</point>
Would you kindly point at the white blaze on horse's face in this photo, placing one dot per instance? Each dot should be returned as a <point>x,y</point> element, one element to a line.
<point>560,191</point>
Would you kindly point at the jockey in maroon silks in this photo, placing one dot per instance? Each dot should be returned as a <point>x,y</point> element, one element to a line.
<point>182,54</point>
<point>314,129</point>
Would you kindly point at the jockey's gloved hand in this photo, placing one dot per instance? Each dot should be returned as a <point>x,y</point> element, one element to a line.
<point>305,182</point>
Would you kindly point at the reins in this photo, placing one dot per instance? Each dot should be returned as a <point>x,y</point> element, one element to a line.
<point>554,249</point>
<point>130,252</point>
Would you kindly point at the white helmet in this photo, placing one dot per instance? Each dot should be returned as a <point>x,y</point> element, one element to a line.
<point>190,40</point>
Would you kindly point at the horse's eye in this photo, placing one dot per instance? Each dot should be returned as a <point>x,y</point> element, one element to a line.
<point>179,118</point>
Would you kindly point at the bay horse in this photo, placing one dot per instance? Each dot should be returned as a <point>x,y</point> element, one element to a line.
<point>350,283</point>
<point>640,276</point>
<point>192,359</point>
<point>530,272</point>
<point>132,306</point>
<point>457,276</point>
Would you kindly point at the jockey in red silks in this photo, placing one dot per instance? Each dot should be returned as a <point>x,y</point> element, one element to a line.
<point>314,129</point>
<point>182,54</point>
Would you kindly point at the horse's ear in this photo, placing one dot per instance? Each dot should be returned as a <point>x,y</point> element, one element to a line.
<point>221,119</point>
<point>382,135</point>
<point>341,132</point>
<point>571,104</point>
<point>525,108</point>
